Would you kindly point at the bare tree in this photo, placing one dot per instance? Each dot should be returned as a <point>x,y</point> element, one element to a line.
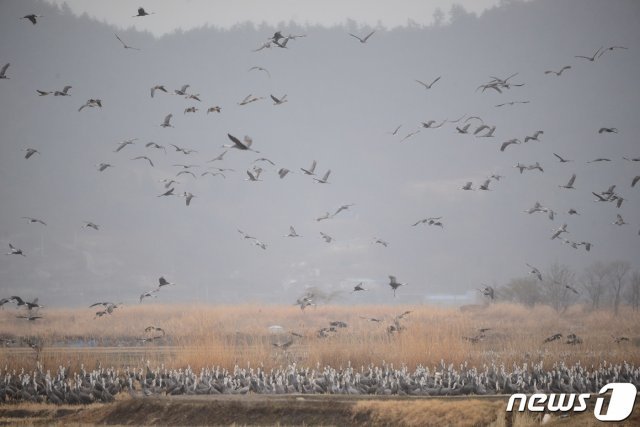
<point>594,282</point>
<point>524,290</point>
<point>633,291</point>
<point>559,288</point>
<point>619,270</point>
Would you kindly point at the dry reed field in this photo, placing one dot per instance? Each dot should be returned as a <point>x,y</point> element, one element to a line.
<point>200,336</point>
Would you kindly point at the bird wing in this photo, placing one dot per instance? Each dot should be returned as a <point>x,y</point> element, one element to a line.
<point>571,180</point>
<point>433,82</point>
<point>353,35</point>
<point>4,69</point>
<point>276,100</point>
<point>560,158</point>
<point>635,180</point>
<point>369,35</point>
<point>392,280</point>
<point>167,119</point>
<point>237,142</point>
<point>423,83</point>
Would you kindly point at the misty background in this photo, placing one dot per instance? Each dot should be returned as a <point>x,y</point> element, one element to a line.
<point>344,100</point>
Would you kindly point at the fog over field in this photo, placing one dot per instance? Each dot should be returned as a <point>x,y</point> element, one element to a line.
<point>345,98</point>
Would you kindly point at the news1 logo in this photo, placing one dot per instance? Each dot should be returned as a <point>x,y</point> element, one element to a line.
<point>620,406</point>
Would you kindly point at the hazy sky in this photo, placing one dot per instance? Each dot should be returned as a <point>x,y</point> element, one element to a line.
<point>344,100</point>
<point>172,15</point>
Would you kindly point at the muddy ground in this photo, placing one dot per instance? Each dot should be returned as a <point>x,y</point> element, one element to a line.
<point>289,410</point>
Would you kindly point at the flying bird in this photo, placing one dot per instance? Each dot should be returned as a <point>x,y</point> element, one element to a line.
<point>535,272</point>
<point>142,12</point>
<point>34,220</point>
<point>145,158</point>
<point>558,73</point>
<point>182,91</point>
<point>363,40</point>
<point>343,208</point>
<point>32,17</point>
<point>326,237</point>
<point>467,186</point>
<point>260,69</point>
<point>488,291</point>
<point>30,152</point>
<point>358,288</point>
<point>127,46</point>
<point>215,109</point>
<point>63,92</point>
<point>607,130</point>
<point>311,170</point>
<point>559,231</point>
<point>148,294</point>
<point>508,143</point>
<point>166,123</point>
<point>89,224</point>
<point>15,251</point>
<point>324,179</point>
<point>249,99</point>
<point>393,282</point>
<point>124,143</point>
<point>569,184</point>
<point>245,145</point>
<point>619,220</point>
<point>279,101</point>
<point>323,217</point>
<point>3,71</point>
<point>428,86</point>
<point>91,103</point>
<point>590,58</point>
<point>380,241</point>
<point>158,87</point>
<point>187,197</point>
<point>562,160</point>
<point>282,172</point>
<point>292,232</point>
<point>534,137</point>
<point>103,166</point>
<point>163,282</point>
<point>155,145</point>
<point>635,180</point>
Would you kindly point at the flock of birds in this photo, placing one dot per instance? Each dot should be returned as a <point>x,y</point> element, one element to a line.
<point>104,384</point>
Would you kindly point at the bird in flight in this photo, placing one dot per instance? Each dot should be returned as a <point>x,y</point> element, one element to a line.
<point>3,71</point>
<point>535,272</point>
<point>508,143</point>
<point>142,12</point>
<point>30,152</point>
<point>166,123</point>
<point>611,49</point>
<point>279,101</point>
<point>158,87</point>
<point>590,58</point>
<point>150,293</point>
<point>245,145</point>
<point>343,208</point>
<point>124,143</point>
<point>89,224</point>
<point>126,46</point>
<point>363,40</point>
<point>533,137</point>
<point>260,69</point>
<point>428,86</point>
<point>33,220</point>
<point>15,251</point>
<point>467,186</point>
<point>393,282</point>
<point>569,184</point>
<point>324,179</point>
<point>292,232</point>
<point>311,170</point>
<point>558,73</point>
<point>326,237</point>
<point>32,17</point>
<point>607,130</point>
<point>163,282</point>
<point>380,241</point>
<point>145,158</point>
<point>358,288</point>
<point>63,92</point>
<point>249,99</point>
<point>103,166</point>
<point>91,103</point>
<point>562,160</point>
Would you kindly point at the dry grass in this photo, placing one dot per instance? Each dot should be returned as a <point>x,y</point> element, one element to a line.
<point>228,335</point>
